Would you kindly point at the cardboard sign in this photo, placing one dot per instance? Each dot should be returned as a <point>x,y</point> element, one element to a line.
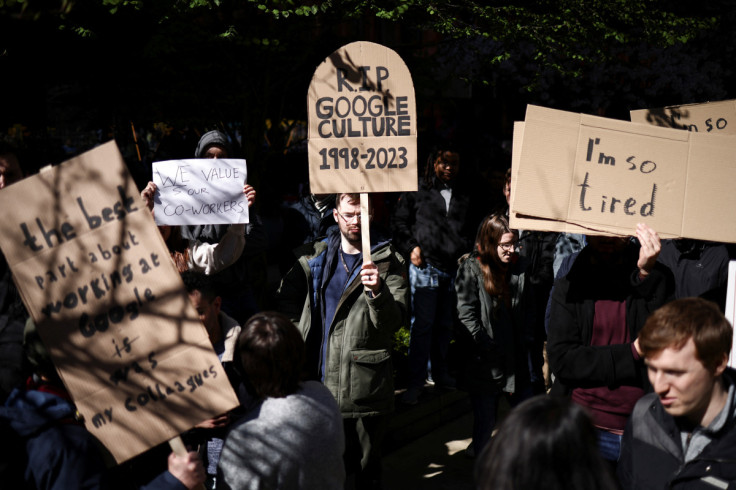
<point>711,117</point>
<point>200,191</point>
<point>731,308</point>
<point>519,222</point>
<point>607,175</point>
<point>110,306</point>
<point>362,122</point>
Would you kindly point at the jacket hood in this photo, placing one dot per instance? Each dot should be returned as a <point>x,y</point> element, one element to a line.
<point>213,138</point>
<point>29,411</point>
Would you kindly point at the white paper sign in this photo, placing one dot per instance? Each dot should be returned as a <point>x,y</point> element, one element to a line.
<point>200,191</point>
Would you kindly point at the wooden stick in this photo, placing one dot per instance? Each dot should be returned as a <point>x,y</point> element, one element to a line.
<point>178,447</point>
<point>135,138</point>
<point>365,221</point>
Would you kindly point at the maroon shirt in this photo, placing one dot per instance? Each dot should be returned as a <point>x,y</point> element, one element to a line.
<point>610,408</point>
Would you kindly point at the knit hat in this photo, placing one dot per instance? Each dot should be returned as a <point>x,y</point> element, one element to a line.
<point>213,138</point>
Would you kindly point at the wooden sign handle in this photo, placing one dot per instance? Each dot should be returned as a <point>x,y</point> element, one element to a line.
<point>365,221</point>
<point>178,447</point>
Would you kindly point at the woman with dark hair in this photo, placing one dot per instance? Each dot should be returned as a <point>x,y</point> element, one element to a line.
<point>545,443</point>
<point>497,310</point>
<point>292,436</point>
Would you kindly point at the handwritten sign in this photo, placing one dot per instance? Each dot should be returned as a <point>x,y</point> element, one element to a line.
<point>606,176</point>
<point>710,117</point>
<point>362,122</point>
<point>200,191</point>
<point>110,307</point>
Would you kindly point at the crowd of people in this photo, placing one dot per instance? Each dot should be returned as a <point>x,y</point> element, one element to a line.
<point>611,351</point>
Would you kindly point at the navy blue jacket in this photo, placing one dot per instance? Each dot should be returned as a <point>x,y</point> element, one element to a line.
<point>59,452</point>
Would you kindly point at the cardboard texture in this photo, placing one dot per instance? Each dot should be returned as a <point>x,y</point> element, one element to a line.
<point>710,117</point>
<point>200,191</point>
<point>362,122</point>
<point>606,176</point>
<point>519,222</point>
<point>96,277</point>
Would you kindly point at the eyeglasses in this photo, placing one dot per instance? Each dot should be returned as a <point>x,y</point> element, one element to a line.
<point>507,245</point>
<point>350,217</point>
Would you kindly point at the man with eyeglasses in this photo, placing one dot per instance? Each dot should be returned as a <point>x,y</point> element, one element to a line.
<point>434,227</point>
<point>347,312</point>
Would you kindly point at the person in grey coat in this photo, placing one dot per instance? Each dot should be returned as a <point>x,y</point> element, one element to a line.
<point>292,437</point>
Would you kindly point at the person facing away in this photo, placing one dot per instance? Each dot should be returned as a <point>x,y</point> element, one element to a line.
<point>495,305</point>
<point>292,438</point>
<point>683,434</point>
<point>434,227</point>
<point>545,443</point>
<point>347,314</point>
<point>596,313</point>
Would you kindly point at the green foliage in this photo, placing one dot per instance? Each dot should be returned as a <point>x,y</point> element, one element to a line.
<point>401,341</point>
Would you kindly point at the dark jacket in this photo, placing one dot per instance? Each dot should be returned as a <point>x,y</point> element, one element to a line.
<point>359,372</point>
<point>422,219</point>
<point>306,223</point>
<point>700,268</point>
<point>538,248</point>
<point>572,359</point>
<point>499,360</point>
<point>57,450</point>
<point>14,367</point>
<point>652,456</point>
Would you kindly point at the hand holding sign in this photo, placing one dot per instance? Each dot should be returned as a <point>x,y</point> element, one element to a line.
<point>97,280</point>
<point>200,191</point>
<point>586,174</point>
<point>362,126</point>
<point>650,248</point>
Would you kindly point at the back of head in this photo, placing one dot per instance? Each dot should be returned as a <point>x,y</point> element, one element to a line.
<point>272,355</point>
<point>676,322</point>
<point>545,443</point>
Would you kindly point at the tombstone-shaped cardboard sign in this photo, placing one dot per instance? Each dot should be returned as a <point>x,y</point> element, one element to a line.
<point>709,117</point>
<point>607,175</point>
<point>362,122</point>
<point>109,305</point>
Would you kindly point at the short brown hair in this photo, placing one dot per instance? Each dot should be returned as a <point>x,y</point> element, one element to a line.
<point>272,355</point>
<point>351,197</point>
<point>676,322</point>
